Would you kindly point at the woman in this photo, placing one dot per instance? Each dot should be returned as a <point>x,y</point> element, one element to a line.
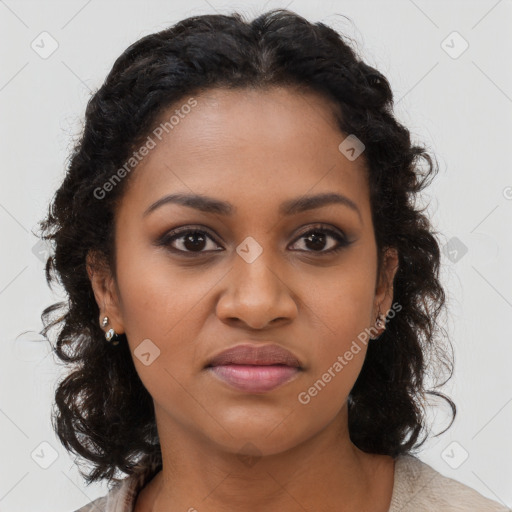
<point>253,295</point>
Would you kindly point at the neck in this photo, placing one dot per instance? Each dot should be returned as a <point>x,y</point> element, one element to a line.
<point>325,472</point>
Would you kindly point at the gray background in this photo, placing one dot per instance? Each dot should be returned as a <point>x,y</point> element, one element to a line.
<point>458,103</point>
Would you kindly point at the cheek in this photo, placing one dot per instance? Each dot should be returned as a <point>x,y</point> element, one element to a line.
<point>340,310</point>
<point>164,309</point>
<point>342,306</point>
<point>336,360</point>
<point>157,295</point>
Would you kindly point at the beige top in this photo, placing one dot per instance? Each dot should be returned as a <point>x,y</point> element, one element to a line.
<point>417,488</point>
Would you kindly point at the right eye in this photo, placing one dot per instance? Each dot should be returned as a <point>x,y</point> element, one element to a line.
<point>188,241</point>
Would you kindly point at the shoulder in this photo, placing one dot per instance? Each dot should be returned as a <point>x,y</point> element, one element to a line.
<point>420,488</point>
<point>98,505</point>
<point>120,498</point>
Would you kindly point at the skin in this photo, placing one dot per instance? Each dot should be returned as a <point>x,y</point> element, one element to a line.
<point>255,149</point>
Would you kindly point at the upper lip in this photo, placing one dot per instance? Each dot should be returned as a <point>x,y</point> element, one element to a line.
<point>264,355</point>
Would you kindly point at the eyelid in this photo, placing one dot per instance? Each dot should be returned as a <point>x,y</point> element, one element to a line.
<point>321,227</point>
<point>180,231</point>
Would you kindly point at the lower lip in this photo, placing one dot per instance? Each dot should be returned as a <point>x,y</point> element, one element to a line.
<point>252,378</point>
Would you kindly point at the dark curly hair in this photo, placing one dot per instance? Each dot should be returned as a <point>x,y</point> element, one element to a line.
<point>104,413</point>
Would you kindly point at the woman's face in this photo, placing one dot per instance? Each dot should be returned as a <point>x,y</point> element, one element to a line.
<point>268,266</point>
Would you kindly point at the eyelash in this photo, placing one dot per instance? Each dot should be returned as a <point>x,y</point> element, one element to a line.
<point>176,234</point>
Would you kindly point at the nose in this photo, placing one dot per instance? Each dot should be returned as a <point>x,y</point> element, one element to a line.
<point>258,294</point>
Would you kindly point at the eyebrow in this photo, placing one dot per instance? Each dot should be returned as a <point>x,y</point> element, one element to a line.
<point>216,206</point>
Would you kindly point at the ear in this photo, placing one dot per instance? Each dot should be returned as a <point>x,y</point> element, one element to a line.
<point>384,289</point>
<point>105,291</point>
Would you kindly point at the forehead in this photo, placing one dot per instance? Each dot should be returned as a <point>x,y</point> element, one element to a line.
<point>250,146</point>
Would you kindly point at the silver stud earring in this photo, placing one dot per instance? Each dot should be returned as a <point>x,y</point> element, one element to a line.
<point>380,322</point>
<point>110,336</point>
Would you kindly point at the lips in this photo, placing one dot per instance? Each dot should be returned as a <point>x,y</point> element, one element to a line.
<point>254,368</point>
<point>258,355</point>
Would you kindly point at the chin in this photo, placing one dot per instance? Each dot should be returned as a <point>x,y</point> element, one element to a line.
<point>260,437</point>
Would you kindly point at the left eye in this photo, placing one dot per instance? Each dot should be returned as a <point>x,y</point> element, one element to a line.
<point>318,238</point>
